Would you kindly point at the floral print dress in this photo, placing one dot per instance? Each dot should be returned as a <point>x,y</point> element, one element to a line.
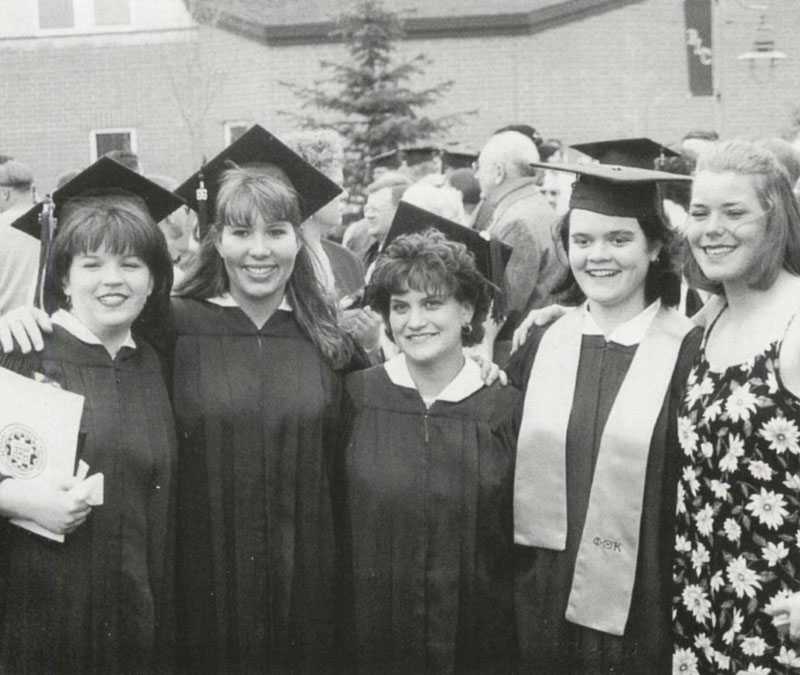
<point>737,545</point>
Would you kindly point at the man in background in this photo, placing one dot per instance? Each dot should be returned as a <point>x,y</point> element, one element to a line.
<point>19,253</point>
<point>521,218</point>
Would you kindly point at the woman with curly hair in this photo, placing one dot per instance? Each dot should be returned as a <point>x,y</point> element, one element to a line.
<point>428,472</point>
<point>736,547</point>
<point>594,493</point>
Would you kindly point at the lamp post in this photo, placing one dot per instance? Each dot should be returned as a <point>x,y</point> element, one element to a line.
<point>762,52</point>
<point>763,45</point>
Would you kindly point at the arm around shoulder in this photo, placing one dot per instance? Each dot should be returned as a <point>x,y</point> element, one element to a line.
<point>21,329</point>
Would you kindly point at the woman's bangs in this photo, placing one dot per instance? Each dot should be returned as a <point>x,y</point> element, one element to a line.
<point>237,210</point>
<point>113,233</point>
<point>246,197</point>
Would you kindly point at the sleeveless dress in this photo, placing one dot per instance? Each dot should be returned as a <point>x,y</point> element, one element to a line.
<point>737,545</point>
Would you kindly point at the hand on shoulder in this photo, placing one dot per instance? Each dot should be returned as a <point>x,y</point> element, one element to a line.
<point>536,317</point>
<point>24,325</point>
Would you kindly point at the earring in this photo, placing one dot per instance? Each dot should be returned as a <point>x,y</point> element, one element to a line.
<point>466,330</point>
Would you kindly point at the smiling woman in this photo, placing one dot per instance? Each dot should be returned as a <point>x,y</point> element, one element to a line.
<point>610,257</point>
<point>257,360</point>
<point>595,477</point>
<point>736,554</point>
<point>101,600</point>
<point>428,472</point>
<point>106,287</point>
<point>258,248</point>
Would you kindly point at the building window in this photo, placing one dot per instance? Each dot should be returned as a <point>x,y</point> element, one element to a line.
<point>54,14</point>
<point>112,12</point>
<point>233,130</point>
<point>104,141</point>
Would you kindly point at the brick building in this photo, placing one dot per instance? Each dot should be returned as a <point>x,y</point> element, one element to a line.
<point>78,77</point>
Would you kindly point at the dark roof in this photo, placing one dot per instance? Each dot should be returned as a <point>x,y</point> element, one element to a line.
<point>300,21</point>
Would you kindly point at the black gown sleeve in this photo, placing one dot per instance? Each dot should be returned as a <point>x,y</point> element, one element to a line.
<point>518,367</point>
<point>162,336</point>
<point>360,360</point>
<point>673,452</point>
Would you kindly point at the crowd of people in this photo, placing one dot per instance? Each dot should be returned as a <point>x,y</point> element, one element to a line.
<point>311,461</point>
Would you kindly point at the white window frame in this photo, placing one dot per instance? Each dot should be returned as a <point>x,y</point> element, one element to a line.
<point>55,31</point>
<point>85,21</point>
<point>229,126</point>
<point>114,130</point>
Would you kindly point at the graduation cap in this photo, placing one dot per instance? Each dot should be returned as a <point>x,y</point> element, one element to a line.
<point>615,190</point>
<point>491,255</point>
<point>104,177</point>
<point>548,148</point>
<point>313,188</point>
<point>410,154</point>
<point>385,160</point>
<point>458,156</point>
<point>417,154</point>
<point>634,152</point>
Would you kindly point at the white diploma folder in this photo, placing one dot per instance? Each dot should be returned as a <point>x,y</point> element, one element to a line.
<point>39,426</point>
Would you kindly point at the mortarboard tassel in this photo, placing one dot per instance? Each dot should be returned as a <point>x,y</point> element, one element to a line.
<point>201,195</point>
<point>496,264</point>
<point>46,231</point>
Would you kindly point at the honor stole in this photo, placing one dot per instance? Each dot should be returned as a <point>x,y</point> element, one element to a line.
<point>605,567</point>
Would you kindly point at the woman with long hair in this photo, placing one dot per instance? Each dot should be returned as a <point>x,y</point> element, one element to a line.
<point>257,356</point>
<point>736,553</point>
<point>102,600</point>
<point>594,493</point>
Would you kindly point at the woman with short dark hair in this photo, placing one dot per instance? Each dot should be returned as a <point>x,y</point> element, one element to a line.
<point>594,493</point>
<point>102,600</point>
<point>428,471</point>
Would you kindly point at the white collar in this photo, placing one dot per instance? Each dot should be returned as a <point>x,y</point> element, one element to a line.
<point>227,300</point>
<point>464,384</point>
<point>627,334</point>
<point>71,324</point>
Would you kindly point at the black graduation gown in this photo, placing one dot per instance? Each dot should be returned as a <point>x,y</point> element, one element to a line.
<point>102,601</point>
<point>428,496</point>
<point>256,411</point>
<point>548,642</point>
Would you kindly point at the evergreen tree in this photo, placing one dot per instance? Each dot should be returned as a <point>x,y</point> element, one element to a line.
<point>368,98</point>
